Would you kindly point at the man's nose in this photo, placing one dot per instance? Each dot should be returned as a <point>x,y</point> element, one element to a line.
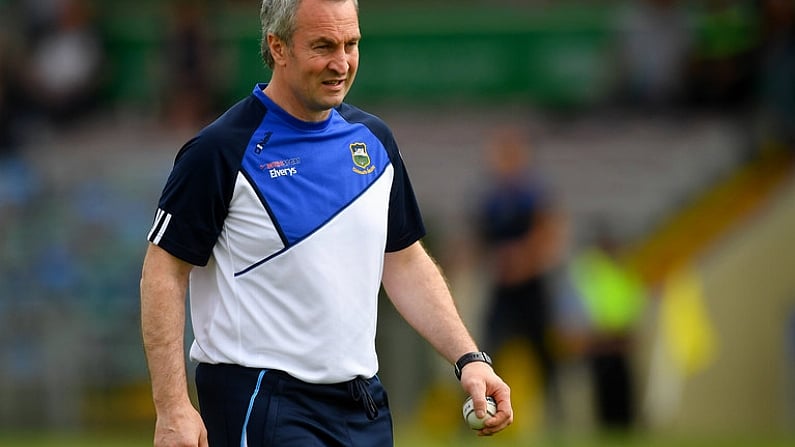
<point>339,62</point>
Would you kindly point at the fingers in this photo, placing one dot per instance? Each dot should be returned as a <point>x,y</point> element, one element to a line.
<point>480,405</point>
<point>479,380</point>
<point>504,416</point>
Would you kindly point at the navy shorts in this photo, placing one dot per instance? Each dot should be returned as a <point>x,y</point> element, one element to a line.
<point>246,407</point>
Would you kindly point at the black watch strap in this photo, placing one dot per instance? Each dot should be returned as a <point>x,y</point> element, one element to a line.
<point>469,358</point>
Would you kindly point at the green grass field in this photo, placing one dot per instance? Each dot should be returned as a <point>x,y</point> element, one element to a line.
<point>143,439</point>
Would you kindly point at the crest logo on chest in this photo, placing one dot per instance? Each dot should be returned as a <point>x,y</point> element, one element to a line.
<point>361,159</point>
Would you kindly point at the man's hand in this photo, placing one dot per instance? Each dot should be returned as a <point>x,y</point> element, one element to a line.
<point>479,380</point>
<point>180,427</point>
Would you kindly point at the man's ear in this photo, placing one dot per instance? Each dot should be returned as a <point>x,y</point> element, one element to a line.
<point>278,49</point>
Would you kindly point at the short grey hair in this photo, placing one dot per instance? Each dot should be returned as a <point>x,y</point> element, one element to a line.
<point>278,17</point>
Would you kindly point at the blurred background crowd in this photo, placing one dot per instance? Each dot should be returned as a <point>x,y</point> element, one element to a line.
<point>608,185</point>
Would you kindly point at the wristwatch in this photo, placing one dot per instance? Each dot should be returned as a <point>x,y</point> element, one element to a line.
<point>469,358</point>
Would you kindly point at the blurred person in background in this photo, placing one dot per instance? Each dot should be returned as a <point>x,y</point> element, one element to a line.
<point>188,91</point>
<point>17,179</point>
<point>655,48</point>
<point>776,90</point>
<point>722,70</point>
<point>522,233</point>
<point>12,74</point>
<point>7,75</point>
<point>284,217</point>
<point>64,73</point>
<point>613,299</point>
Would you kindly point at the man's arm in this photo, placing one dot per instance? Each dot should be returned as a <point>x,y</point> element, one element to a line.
<point>420,293</point>
<point>164,282</point>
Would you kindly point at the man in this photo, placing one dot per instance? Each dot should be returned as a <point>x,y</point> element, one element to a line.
<point>284,217</point>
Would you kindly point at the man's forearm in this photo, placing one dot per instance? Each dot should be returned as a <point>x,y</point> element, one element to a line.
<point>421,295</point>
<point>163,345</point>
<point>163,292</point>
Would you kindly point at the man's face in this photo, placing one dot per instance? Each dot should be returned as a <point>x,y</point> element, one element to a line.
<point>319,66</point>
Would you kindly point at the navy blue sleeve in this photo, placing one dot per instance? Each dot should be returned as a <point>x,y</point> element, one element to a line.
<point>196,197</point>
<point>405,220</point>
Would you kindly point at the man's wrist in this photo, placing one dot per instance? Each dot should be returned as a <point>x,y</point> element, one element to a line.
<point>469,357</point>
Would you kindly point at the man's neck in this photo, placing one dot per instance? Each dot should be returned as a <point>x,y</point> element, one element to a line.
<point>288,104</point>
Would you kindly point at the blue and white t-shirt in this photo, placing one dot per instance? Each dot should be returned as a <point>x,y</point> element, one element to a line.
<point>288,222</point>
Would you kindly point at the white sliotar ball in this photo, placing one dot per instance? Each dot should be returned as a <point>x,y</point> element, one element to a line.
<point>475,423</point>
